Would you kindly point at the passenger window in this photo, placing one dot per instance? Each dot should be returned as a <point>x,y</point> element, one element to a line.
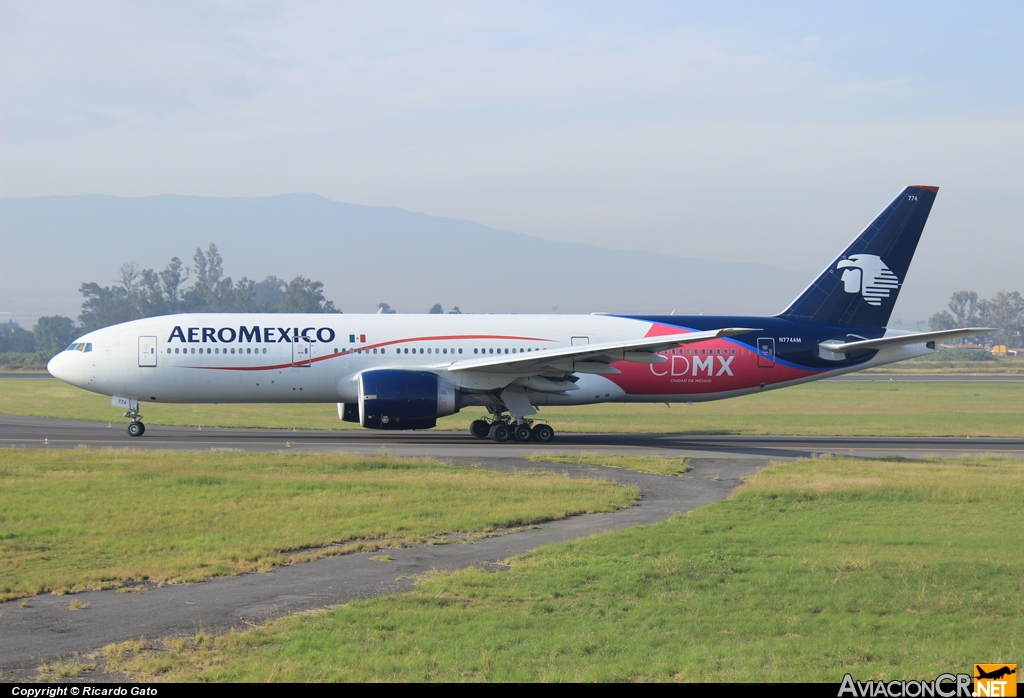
<point>264,351</point>
<point>381,351</point>
<point>476,351</point>
<point>460,351</point>
<point>492,351</point>
<point>232,350</point>
<point>506,351</point>
<point>374,350</point>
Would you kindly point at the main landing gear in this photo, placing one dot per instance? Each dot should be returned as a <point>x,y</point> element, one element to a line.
<point>505,431</point>
<point>135,427</point>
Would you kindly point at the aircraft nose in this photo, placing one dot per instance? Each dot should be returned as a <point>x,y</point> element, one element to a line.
<point>55,366</point>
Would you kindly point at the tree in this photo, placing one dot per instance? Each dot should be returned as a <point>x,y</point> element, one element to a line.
<point>54,332</point>
<point>455,311</point>
<point>105,305</point>
<point>385,309</point>
<point>964,306</point>
<point>942,321</point>
<point>145,293</point>
<point>15,338</point>
<point>436,310</point>
<point>306,296</point>
<point>210,291</point>
<point>172,278</point>
<point>1006,311</point>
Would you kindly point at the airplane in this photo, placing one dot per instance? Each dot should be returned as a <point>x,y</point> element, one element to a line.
<point>397,372</point>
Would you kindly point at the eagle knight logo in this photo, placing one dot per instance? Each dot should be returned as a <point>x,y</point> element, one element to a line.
<point>868,275</point>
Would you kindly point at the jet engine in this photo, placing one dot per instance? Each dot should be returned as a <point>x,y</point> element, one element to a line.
<point>396,399</point>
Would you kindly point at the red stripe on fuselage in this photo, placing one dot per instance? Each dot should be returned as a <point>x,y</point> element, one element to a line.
<point>364,349</point>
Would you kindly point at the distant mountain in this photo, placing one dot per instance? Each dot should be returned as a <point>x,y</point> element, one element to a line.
<point>363,254</point>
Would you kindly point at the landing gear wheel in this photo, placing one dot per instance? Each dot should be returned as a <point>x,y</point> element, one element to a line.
<point>500,432</point>
<point>544,434</point>
<point>136,429</point>
<point>521,433</point>
<point>480,428</point>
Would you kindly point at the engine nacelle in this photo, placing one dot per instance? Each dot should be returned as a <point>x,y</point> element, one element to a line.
<point>348,412</point>
<point>395,399</point>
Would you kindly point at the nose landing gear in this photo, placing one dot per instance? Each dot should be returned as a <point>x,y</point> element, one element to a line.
<point>135,427</point>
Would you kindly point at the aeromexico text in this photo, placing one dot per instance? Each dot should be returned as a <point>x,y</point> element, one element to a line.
<point>226,335</point>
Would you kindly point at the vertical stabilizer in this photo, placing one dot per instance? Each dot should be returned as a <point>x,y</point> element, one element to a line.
<point>860,286</point>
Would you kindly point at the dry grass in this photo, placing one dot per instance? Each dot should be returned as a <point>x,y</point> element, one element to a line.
<point>645,464</point>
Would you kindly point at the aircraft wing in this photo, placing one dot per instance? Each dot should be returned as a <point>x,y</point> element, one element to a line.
<point>591,358</point>
<point>897,340</point>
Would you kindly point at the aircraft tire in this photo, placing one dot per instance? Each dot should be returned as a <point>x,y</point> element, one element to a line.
<point>522,433</point>
<point>501,432</point>
<point>480,429</point>
<point>136,429</point>
<point>542,433</point>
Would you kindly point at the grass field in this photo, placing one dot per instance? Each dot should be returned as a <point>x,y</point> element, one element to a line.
<point>884,569</point>
<point>643,464</point>
<point>879,409</point>
<point>85,518</point>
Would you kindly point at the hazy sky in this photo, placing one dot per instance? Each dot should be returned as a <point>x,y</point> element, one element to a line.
<point>733,131</point>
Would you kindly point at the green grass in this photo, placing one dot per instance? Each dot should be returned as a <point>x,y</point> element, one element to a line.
<point>643,464</point>
<point>833,409</point>
<point>83,518</point>
<point>884,569</point>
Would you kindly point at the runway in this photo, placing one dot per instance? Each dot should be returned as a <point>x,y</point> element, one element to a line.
<point>39,432</point>
<point>47,630</point>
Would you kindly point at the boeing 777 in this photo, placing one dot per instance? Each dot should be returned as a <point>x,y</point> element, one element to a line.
<point>406,371</point>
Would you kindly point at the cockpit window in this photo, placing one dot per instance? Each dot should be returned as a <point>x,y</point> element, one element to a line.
<point>88,347</point>
<point>72,347</point>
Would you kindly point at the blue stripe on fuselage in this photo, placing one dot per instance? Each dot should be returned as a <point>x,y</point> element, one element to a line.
<point>802,354</point>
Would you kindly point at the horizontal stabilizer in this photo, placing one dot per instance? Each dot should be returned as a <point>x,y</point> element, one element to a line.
<point>838,347</point>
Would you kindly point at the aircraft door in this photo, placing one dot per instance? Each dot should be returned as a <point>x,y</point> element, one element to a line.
<point>300,352</point>
<point>147,352</point>
<point>765,352</point>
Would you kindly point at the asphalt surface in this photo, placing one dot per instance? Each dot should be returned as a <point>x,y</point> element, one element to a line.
<point>38,432</point>
<point>48,629</point>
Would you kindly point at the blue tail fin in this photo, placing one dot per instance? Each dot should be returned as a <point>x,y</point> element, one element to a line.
<point>861,285</point>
